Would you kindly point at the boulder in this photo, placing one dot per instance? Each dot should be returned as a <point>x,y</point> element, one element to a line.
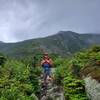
<point>92,88</point>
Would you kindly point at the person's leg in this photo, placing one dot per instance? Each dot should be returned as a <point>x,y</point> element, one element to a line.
<point>45,76</point>
<point>50,74</point>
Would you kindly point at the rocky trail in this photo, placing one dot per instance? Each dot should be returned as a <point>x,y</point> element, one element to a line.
<point>51,91</point>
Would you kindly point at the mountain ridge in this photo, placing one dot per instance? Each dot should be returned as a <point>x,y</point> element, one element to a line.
<point>62,43</point>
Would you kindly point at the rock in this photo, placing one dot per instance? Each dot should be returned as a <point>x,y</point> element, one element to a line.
<point>43,98</point>
<point>92,88</point>
<point>55,93</point>
<point>51,91</point>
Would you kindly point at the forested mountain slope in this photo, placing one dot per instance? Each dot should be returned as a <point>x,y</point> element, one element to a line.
<point>63,43</point>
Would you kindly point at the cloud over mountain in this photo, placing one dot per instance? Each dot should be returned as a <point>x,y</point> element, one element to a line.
<point>23,19</point>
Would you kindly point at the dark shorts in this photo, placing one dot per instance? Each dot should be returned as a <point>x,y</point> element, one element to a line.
<point>47,69</point>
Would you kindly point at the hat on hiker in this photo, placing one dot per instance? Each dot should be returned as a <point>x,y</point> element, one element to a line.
<point>45,53</point>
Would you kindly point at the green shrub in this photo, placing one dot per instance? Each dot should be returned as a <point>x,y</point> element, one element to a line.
<point>15,81</point>
<point>2,59</point>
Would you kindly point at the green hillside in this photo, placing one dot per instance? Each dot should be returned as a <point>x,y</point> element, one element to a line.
<point>64,43</point>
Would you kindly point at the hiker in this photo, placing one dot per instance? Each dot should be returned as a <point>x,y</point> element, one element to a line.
<point>46,63</point>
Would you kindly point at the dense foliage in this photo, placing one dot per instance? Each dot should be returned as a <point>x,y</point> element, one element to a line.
<point>19,78</point>
<point>18,81</point>
<point>2,59</point>
<point>73,85</point>
<point>69,72</point>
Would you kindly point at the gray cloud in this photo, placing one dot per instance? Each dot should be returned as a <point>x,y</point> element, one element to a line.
<point>24,19</point>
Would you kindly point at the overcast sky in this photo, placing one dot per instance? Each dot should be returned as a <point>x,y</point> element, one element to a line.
<point>25,19</point>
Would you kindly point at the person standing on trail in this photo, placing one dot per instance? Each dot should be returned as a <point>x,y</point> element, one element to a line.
<point>46,63</point>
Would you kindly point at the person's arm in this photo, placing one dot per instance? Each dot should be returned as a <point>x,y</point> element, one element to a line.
<point>42,62</point>
<point>51,62</point>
